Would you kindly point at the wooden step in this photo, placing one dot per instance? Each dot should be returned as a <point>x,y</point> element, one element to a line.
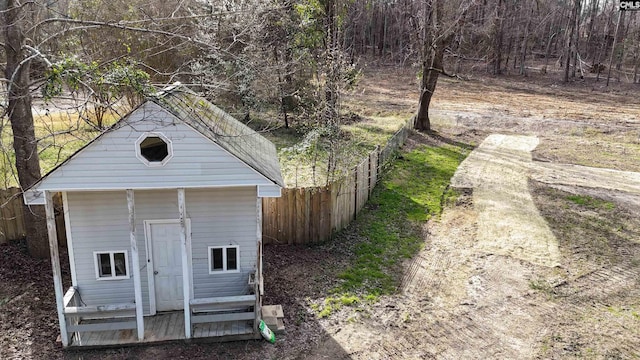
<point>273,316</point>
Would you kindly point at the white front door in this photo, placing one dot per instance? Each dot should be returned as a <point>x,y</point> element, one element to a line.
<point>167,265</point>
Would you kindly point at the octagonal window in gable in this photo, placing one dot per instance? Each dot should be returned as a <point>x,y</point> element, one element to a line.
<point>154,149</point>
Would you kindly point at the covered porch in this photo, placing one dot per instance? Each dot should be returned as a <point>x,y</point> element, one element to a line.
<point>225,318</point>
<point>162,327</point>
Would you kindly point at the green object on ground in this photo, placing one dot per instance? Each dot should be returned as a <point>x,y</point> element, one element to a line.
<point>267,333</point>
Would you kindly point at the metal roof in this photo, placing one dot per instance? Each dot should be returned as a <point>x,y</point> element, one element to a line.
<point>232,135</point>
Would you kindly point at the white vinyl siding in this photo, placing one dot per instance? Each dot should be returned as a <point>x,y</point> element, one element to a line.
<point>219,217</point>
<point>99,223</point>
<point>223,217</point>
<point>111,163</point>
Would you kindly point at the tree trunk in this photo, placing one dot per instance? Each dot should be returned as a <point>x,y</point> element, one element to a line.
<point>281,91</point>
<point>589,51</point>
<point>496,67</point>
<point>576,37</point>
<point>331,65</point>
<point>613,47</point>
<point>636,59</point>
<point>423,123</point>
<point>506,61</point>
<point>21,119</point>
<point>382,30</point>
<point>432,65</point>
<point>525,38</point>
<point>569,43</point>
<point>636,62</point>
<point>622,34</point>
<point>547,53</point>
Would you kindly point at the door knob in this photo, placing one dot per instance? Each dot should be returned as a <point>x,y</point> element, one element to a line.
<point>155,272</point>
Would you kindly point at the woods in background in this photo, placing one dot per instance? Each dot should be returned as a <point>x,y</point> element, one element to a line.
<point>293,58</point>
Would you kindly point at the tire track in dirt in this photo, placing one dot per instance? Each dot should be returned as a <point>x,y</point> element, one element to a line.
<point>602,298</point>
<point>600,283</point>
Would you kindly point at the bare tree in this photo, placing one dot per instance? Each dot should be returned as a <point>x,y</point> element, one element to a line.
<point>570,47</point>
<point>525,40</point>
<point>19,56</point>
<point>439,29</point>
<point>497,31</point>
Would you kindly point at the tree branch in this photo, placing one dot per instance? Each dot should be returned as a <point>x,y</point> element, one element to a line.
<point>442,72</point>
<point>118,25</point>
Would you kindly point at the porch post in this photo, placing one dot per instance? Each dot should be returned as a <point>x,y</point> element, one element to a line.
<point>135,260</point>
<point>186,280</point>
<point>258,287</point>
<point>55,265</point>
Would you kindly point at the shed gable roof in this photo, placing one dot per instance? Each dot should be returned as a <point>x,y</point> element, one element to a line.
<point>200,116</point>
<point>235,137</point>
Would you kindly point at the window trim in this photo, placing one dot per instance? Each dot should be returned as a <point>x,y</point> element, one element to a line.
<point>113,269</point>
<point>154,163</point>
<point>224,259</point>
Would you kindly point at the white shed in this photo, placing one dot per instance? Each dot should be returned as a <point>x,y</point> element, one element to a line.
<point>163,224</point>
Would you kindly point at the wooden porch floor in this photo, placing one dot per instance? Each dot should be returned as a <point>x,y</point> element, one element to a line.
<point>164,327</point>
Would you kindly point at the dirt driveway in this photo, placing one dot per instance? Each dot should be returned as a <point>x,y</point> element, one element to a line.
<point>497,281</point>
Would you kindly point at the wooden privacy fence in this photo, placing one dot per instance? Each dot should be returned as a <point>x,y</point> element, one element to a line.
<point>11,221</point>
<point>12,225</point>
<point>314,214</point>
<point>300,216</point>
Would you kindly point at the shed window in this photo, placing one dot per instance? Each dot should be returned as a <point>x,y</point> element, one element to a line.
<point>224,259</point>
<point>154,149</point>
<point>111,265</point>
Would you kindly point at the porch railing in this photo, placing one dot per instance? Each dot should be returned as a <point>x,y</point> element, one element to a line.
<point>228,308</point>
<point>117,316</point>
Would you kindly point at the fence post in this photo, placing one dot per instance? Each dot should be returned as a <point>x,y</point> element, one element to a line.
<point>307,214</point>
<point>355,193</point>
<point>372,183</point>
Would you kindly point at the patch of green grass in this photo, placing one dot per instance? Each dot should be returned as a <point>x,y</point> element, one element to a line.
<point>333,304</point>
<point>374,130</point>
<point>591,202</point>
<point>615,310</point>
<point>599,236</point>
<point>542,286</point>
<point>349,300</point>
<point>624,311</point>
<point>410,194</point>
